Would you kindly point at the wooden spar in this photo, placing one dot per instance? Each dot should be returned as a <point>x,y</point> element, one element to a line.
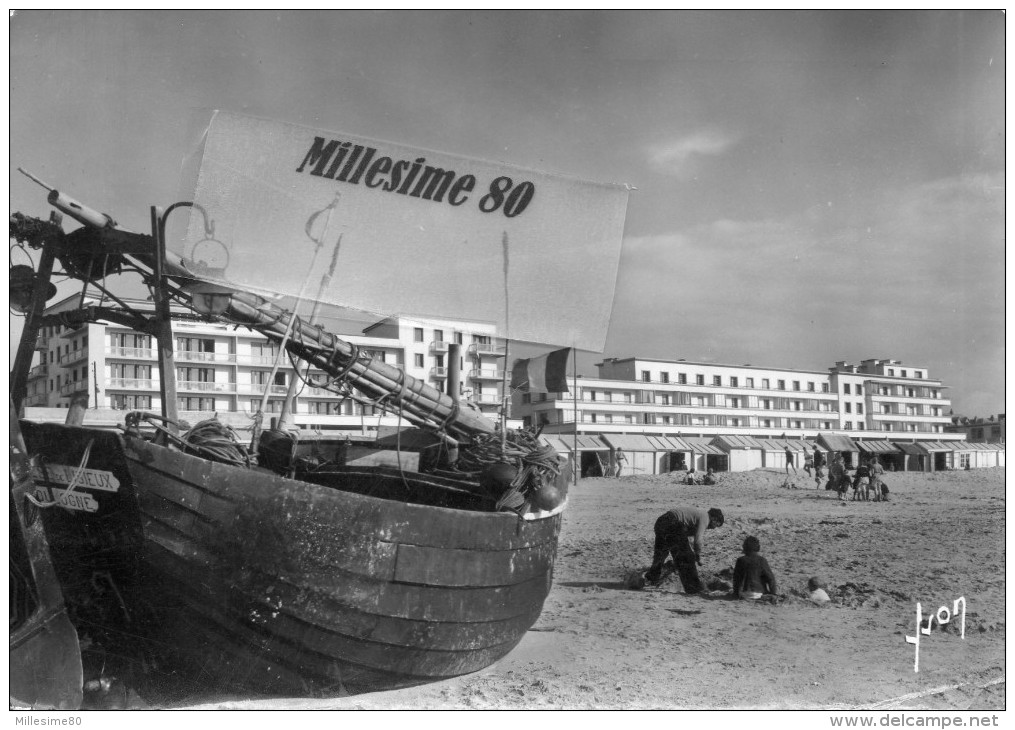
<point>164,324</point>
<point>398,391</point>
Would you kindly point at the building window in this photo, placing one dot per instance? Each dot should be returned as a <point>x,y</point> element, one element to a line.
<point>781,384</point>
<point>891,371</point>
<point>859,389</point>
<point>798,405</point>
<point>699,379</point>
<point>733,402</point>
<point>849,408</point>
<point>766,403</point>
<point>859,408</point>
<point>438,336</point>
<point>824,388</point>
<point>682,378</point>
<point>917,374</point>
<point>418,359</point>
<point>750,382</point>
<point>859,426</point>
<point>910,393</point>
<point>665,377</point>
<point>766,422</point>
<point>902,373</point>
<point>417,334</point>
<point>627,397</point>
<point>827,425</point>
<point>798,424</point>
<point>716,380</point>
<point>796,385</point>
<point>766,383</point>
<point>526,397</point>
<point>848,425</point>
<point>592,395</point>
<point>734,381</point>
<point>542,397</point>
<point>845,388</point>
<point>646,376</point>
<point>664,399</point>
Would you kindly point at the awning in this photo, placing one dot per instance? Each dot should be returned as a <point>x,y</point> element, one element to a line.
<point>836,442</point>
<point>629,442</point>
<point>783,444</point>
<point>675,443</point>
<point>911,449</point>
<point>557,443</point>
<point>877,447</point>
<point>701,445</point>
<point>734,441</point>
<point>930,446</point>
<point>588,443</point>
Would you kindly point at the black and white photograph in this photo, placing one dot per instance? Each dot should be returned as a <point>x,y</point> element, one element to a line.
<point>456,359</point>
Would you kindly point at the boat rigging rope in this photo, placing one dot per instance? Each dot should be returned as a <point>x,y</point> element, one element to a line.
<point>210,439</point>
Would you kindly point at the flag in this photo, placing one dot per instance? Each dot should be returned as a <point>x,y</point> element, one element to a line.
<point>545,374</point>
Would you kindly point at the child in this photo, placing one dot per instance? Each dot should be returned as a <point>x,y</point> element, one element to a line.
<point>818,593</point>
<point>752,578</point>
<point>710,478</point>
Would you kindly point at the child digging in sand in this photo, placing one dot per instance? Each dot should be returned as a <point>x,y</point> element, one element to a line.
<point>752,578</point>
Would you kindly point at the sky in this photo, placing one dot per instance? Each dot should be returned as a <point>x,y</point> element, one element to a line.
<point>811,186</point>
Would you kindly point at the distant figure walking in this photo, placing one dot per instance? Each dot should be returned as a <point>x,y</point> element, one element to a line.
<point>838,477</point>
<point>789,461</point>
<point>819,461</point>
<point>621,460</point>
<point>875,486</point>
<point>808,463</point>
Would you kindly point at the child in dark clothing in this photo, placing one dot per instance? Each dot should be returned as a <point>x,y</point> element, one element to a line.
<point>752,578</point>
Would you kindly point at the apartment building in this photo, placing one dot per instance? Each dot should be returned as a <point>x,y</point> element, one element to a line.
<point>227,369</point>
<point>877,399</point>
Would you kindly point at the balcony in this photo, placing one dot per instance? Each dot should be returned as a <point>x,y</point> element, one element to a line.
<point>72,358</point>
<point>439,373</point>
<point>131,353</point>
<point>36,399</point>
<point>258,389</point>
<point>486,374</point>
<point>197,356</point>
<point>204,386</point>
<point>39,371</point>
<point>42,343</point>
<point>438,346</point>
<point>131,384</point>
<point>76,386</point>
<point>485,349</point>
<point>486,399</point>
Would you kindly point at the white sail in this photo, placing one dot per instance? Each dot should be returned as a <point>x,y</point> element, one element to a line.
<point>425,232</point>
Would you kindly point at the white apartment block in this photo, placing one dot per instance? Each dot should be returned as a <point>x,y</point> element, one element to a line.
<point>877,399</point>
<point>226,369</point>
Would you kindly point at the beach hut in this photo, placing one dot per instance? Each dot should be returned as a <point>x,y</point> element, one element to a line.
<point>887,453</point>
<point>678,453</point>
<point>773,452</point>
<point>841,443</point>
<point>988,455</point>
<point>939,455</point>
<point>563,449</point>
<point>914,458</point>
<point>705,455</point>
<point>593,453</point>
<point>641,453</point>
<point>744,452</point>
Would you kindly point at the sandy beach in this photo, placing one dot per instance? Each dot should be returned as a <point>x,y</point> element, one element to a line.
<point>599,645</point>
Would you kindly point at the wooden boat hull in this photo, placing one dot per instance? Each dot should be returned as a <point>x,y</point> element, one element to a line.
<point>45,657</point>
<point>365,580</point>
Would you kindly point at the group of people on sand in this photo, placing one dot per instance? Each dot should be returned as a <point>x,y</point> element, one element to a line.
<point>694,477</point>
<point>867,482</point>
<point>680,533</point>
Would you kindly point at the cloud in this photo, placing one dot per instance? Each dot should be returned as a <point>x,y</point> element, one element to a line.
<point>918,277</point>
<point>676,156</point>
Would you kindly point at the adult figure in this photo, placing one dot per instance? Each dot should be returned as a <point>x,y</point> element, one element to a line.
<point>752,578</point>
<point>808,463</point>
<point>789,461</point>
<point>837,476</point>
<point>861,482</point>
<point>681,533</point>
<point>819,462</point>
<point>876,472</point>
<point>621,460</point>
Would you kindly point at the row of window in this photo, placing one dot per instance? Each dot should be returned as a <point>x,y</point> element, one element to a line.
<point>459,337</point>
<point>733,381</point>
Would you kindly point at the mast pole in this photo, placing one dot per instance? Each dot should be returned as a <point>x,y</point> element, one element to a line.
<point>164,325</point>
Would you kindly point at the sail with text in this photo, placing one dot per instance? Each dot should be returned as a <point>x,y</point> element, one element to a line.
<point>409,230</point>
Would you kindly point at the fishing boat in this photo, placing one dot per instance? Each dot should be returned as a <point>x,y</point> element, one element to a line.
<point>247,566</point>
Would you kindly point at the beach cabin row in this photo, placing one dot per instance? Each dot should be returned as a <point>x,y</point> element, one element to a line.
<point>599,455</point>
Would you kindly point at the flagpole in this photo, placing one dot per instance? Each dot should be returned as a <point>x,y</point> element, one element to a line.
<point>574,402</point>
<point>504,392</point>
